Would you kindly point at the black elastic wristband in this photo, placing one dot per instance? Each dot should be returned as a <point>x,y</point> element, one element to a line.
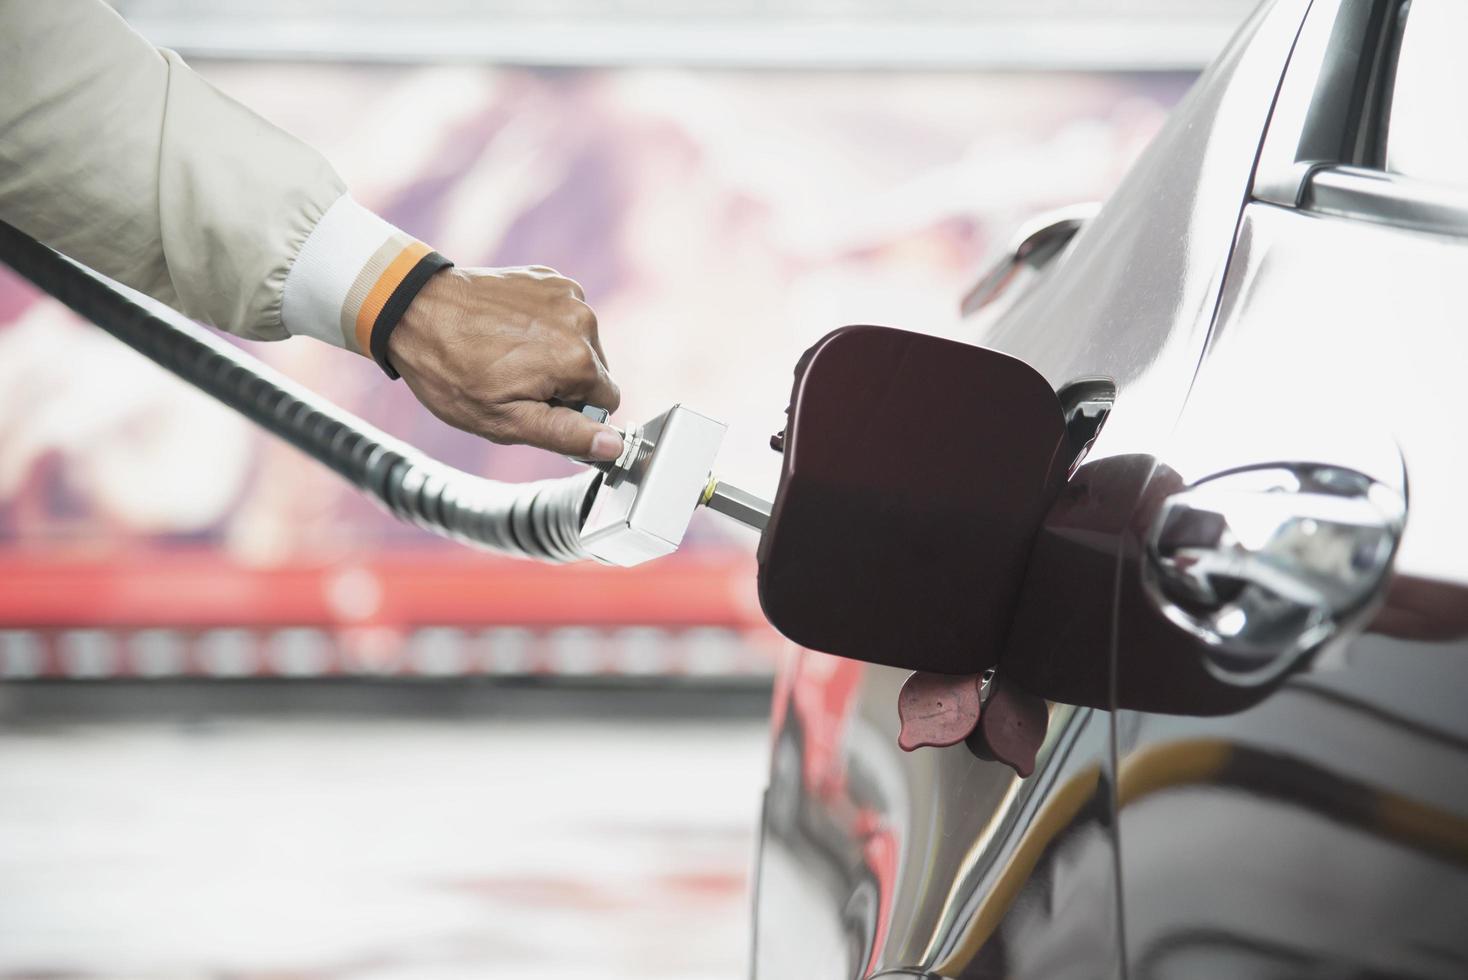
<point>397,305</point>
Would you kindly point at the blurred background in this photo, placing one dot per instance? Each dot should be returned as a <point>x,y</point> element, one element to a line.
<point>253,727</point>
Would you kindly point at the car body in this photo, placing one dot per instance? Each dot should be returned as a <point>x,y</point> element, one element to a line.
<point>1277,286</point>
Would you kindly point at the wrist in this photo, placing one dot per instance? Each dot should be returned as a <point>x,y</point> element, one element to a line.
<point>424,316</point>
<point>384,309</point>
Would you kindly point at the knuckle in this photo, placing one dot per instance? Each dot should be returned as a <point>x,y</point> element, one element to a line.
<point>583,361</point>
<point>569,353</point>
<point>560,285</point>
<point>585,319</point>
<point>497,423</point>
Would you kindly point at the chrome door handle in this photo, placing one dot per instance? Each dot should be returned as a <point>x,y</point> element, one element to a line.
<point>1269,562</point>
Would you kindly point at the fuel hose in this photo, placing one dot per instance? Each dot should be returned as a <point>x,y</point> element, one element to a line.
<point>540,520</point>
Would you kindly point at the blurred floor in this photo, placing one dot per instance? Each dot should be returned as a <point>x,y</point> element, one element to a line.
<point>582,845</point>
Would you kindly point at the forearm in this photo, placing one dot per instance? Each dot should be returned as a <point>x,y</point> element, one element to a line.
<point>118,155</point>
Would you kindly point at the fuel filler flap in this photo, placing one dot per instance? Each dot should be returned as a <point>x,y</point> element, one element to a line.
<point>915,473</point>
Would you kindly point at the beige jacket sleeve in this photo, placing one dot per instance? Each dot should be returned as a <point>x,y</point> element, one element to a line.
<point>116,154</point>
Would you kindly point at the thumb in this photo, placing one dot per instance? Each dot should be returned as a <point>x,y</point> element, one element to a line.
<point>565,431</point>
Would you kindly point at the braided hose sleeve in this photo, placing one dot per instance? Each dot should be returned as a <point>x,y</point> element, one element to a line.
<point>540,520</point>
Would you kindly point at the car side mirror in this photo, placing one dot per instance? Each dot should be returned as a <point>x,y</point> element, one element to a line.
<point>916,472</point>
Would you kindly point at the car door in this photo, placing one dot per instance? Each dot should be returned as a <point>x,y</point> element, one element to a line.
<point>1292,785</point>
<point>937,863</point>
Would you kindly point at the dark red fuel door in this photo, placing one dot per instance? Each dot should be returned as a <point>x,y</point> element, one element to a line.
<point>916,471</point>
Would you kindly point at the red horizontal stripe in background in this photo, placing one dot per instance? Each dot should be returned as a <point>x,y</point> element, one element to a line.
<point>203,589</point>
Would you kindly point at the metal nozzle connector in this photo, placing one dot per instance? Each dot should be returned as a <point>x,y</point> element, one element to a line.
<point>736,504</point>
<point>647,496</point>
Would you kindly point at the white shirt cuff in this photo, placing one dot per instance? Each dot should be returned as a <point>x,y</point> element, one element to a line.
<point>351,259</point>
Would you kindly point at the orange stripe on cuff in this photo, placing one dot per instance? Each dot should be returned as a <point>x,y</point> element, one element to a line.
<point>382,289</point>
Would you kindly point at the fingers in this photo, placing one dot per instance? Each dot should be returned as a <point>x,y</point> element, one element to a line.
<point>596,388</point>
<point>581,372</point>
<point>585,316</point>
<point>601,355</point>
<point>586,323</point>
<point>561,430</point>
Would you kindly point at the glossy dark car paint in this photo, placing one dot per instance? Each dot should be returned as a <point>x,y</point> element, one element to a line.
<point>1177,824</point>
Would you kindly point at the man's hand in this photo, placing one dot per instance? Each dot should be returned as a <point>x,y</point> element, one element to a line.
<point>487,349</point>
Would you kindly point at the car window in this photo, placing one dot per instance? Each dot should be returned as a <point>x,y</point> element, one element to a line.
<point>1426,127</point>
<point>1368,121</point>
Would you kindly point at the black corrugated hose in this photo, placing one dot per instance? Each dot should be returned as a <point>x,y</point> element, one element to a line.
<point>539,520</point>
